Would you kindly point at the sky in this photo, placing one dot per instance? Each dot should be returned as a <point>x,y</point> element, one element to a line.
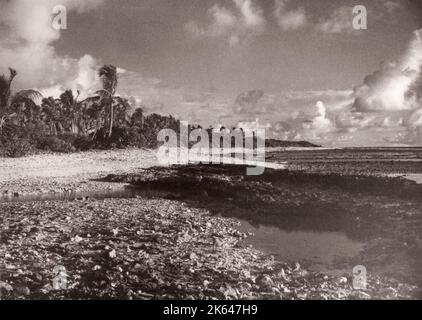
<point>296,67</point>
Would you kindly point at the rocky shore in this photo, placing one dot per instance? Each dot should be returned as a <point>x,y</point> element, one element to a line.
<point>182,243</point>
<point>76,172</point>
<point>149,249</point>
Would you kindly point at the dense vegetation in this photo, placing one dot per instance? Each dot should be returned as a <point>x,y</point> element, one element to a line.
<point>273,143</point>
<point>31,122</point>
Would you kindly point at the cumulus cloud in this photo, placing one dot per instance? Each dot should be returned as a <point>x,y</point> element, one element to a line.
<point>314,123</point>
<point>236,27</point>
<point>414,122</point>
<point>340,21</point>
<point>251,14</point>
<point>347,121</point>
<point>319,124</point>
<point>26,43</point>
<point>389,101</point>
<point>396,86</point>
<point>289,19</point>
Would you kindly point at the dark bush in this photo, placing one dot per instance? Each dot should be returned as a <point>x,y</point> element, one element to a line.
<point>83,143</point>
<point>121,138</point>
<point>137,138</point>
<point>55,144</point>
<point>15,147</point>
<point>34,131</point>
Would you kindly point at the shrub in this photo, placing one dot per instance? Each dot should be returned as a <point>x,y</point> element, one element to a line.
<point>136,137</point>
<point>121,137</point>
<point>83,143</point>
<point>15,147</point>
<point>55,144</point>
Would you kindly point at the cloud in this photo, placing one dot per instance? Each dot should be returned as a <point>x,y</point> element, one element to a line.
<point>310,122</point>
<point>340,21</point>
<point>388,105</point>
<point>223,22</point>
<point>255,126</point>
<point>251,14</point>
<point>347,121</point>
<point>248,101</point>
<point>395,86</point>
<point>26,43</point>
<point>413,124</point>
<point>289,20</point>
<point>392,6</point>
<point>320,124</point>
<point>235,27</point>
<point>414,121</point>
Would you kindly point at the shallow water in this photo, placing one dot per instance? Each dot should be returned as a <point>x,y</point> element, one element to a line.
<point>70,196</point>
<point>317,251</point>
<point>126,192</point>
<point>416,177</point>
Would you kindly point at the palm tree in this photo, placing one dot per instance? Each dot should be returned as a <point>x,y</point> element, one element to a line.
<point>10,103</point>
<point>137,118</point>
<point>52,115</point>
<point>121,107</point>
<point>5,87</point>
<point>71,111</point>
<point>91,115</point>
<point>154,123</point>
<point>108,75</point>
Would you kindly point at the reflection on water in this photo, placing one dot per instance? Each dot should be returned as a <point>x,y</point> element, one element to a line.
<point>319,251</point>
<point>115,193</point>
<point>416,177</point>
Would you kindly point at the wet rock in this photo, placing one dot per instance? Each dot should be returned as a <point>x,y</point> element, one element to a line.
<point>5,288</point>
<point>264,281</point>
<point>25,291</point>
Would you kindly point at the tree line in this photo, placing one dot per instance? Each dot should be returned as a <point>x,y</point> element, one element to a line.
<point>31,122</point>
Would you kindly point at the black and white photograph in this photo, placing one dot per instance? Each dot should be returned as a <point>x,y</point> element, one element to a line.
<point>229,151</point>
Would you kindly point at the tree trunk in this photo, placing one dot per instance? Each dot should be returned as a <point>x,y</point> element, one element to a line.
<point>110,132</point>
<point>74,127</point>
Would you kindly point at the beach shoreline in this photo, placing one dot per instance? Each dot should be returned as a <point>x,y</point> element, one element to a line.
<point>103,235</point>
<point>75,172</point>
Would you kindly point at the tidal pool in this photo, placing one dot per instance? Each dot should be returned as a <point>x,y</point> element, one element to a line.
<point>317,251</point>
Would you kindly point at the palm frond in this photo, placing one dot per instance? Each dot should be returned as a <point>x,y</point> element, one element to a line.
<point>108,75</point>
<point>103,92</point>
<point>5,85</point>
<point>28,94</point>
<point>13,74</point>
